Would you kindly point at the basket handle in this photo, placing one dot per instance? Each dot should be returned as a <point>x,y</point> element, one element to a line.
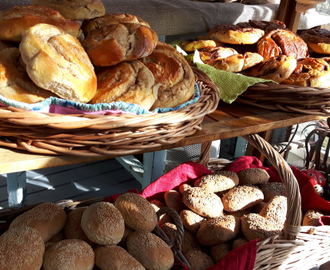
<point>294,214</point>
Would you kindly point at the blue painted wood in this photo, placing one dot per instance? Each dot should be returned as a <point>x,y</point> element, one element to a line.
<point>16,188</point>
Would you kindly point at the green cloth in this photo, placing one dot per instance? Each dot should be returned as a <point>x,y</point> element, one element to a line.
<point>231,85</point>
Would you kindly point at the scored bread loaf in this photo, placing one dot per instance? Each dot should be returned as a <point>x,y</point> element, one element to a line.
<point>56,61</point>
<point>16,20</point>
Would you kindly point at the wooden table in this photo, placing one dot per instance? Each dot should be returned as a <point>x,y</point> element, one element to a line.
<point>227,121</point>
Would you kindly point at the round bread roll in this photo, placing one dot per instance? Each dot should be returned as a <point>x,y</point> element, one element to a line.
<point>242,197</point>
<point>109,19</point>
<point>57,62</point>
<point>115,43</point>
<point>150,250</point>
<point>74,9</point>
<point>16,20</point>
<point>318,40</point>
<point>310,72</point>
<point>217,182</point>
<point>277,68</point>
<point>219,251</point>
<point>203,202</point>
<point>173,73</point>
<point>72,228</point>
<point>137,211</point>
<point>130,82</point>
<point>253,176</point>
<point>114,258</point>
<point>236,34</point>
<point>218,230</point>
<point>69,254</point>
<point>47,218</point>
<point>271,189</point>
<point>282,42</point>
<point>239,242</point>
<point>255,226</point>
<point>103,223</point>
<point>276,210</point>
<point>173,199</point>
<point>191,220</point>
<point>21,248</point>
<point>15,83</point>
<point>198,260</point>
<point>312,218</point>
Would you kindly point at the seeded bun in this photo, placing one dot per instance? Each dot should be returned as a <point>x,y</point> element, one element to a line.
<point>191,220</point>
<point>137,212</point>
<point>103,223</point>
<point>47,218</point>
<point>276,209</point>
<point>217,182</point>
<point>69,254</point>
<point>21,248</point>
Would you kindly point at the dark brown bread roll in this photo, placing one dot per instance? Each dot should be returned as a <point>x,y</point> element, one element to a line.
<point>198,259</point>
<point>271,189</point>
<point>173,199</point>
<point>253,176</point>
<point>219,251</point>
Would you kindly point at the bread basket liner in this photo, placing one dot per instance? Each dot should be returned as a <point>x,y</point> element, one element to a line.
<point>112,134</point>
<point>301,248</point>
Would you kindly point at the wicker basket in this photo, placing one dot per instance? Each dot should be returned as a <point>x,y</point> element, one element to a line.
<point>288,98</point>
<point>303,247</point>
<point>112,135</point>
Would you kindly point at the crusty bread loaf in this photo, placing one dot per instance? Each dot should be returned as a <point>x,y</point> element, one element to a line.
<point>271,189</point>
<point>137,211</point>
<point>217,182</point>
<point>276,210</point>
<point>253,176</point>
<point>15,83</point>
<point>74,9</point>
<point>191,220</point>
<point>21,248</point>
<point>47,218</point>
<point>111,18</point>
<point>16,20</point>
<point>173,199</point>
<point>242,197</point>
<point>218,230</point>
<point>173,73</point>
<point>219,251</point>
<point>150,250</point>
<point>56,61</point>
<point>73,254</point>
<point>115,43</point>
<point>255,226</point>
<point>103,223</point>
<point>203,202</point>
<point>198,259</point>
<point>114,257</point>
<point>312,218</point>
<point>130,82</point>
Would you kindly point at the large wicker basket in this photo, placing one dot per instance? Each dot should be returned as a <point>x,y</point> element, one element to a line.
<point>112,135</point>
<point>289,98</point>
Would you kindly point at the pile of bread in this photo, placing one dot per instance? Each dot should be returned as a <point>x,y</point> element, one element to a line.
<point>269,50</point>
<point>76,51</point>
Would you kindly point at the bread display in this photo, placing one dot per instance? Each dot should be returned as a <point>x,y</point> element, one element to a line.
<point>56,61</point>
<point>16,20</point>
<point>74,9</point>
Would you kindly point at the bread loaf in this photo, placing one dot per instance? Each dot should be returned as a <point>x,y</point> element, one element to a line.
<point>47,218</point>
<point>21,248</point>
<point>217,182</point>
<point>103,223</point>
<point>56,61</point>
<point>16,20</point>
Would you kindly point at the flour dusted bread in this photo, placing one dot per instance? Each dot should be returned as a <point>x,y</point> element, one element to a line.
<point>21,248</point>
<point>217,182</point>
<point>130,82</point>
<point>74,9</point>
<point>174,75</point>
<point>15,83</point>
<point>114,257</point>
<point>137,211</point>
<point>69,254</point>
<point>57,62</point>
<point>103,223</point>
<point>253,176</point>
<point>16,20</point>
<point>47,218</point>
<point>115,43</point>
<point>150,250</point>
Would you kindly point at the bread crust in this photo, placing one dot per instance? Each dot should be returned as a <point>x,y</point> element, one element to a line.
<point>16,20</point>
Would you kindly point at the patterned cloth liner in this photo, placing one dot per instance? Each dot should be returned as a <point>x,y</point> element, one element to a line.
<point>61,106</point>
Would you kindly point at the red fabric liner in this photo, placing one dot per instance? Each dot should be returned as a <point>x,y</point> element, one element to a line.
<point>242,258</point>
